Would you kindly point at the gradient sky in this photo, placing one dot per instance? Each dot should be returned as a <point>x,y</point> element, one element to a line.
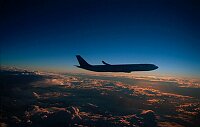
<point>48,34</point>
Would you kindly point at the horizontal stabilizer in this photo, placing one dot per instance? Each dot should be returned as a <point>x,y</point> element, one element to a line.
<point>105,63</point>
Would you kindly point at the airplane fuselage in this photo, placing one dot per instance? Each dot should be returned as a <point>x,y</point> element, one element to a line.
<point>120,68</point>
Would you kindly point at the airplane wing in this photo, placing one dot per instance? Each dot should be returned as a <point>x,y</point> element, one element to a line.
<point>105,63</point>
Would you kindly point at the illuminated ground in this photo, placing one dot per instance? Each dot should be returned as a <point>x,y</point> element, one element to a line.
<point>43,99</point>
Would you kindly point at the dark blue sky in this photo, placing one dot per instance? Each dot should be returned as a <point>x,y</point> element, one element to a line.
<point>48,34</point>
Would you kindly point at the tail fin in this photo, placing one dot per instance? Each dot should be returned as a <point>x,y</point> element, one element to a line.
<point>81,61</point>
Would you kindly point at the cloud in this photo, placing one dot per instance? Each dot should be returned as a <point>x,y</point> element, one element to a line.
<point>53,116</point>
<point>15,119</point>
<point>3,124</point>
<point>148,113</point>
<point>125,122</point>
<point>181,82</point>
<point>169,124</point>
<point>37,96</point>
<point>49,82</point>
<point>189,108</point>
<point>153,101</point>
<point>149,118</point>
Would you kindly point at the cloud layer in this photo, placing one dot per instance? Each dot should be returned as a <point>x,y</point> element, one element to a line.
<point>38,99</point>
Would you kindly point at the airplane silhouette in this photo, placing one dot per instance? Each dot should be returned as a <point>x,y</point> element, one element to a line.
<point>127,68</point>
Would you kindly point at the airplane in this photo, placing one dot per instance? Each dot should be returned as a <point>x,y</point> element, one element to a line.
<point>127,68</point>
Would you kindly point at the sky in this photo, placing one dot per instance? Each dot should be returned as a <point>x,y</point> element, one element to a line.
<point>47,35</point>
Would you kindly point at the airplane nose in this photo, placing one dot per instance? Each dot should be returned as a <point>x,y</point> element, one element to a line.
<point>156,67</point>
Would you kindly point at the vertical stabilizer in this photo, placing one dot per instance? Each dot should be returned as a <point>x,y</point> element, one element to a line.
<point>81,61</point>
